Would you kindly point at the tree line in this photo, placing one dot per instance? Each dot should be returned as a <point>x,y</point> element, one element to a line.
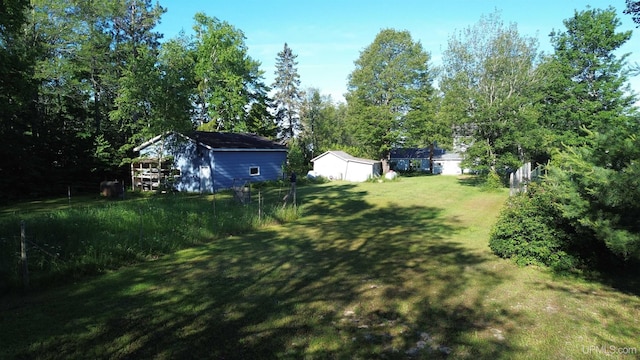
<point>84,82</point>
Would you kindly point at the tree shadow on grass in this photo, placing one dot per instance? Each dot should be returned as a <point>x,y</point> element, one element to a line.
<point>625,279</point>
<point>347,280</point>
<point>607,314</point>
<point>472,180</point>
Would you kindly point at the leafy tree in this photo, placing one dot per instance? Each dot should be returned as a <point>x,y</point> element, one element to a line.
<point>287,95</point>
<point>92,68</point>
<point>324,125</point>
<point>60,124</point>
<point>16,95</point>
<point>297,158</point>
<point>136,52</point>
<point>332,132</point>
<point>426,127</point>
<point>172,87</point>
<point>390,74</point>
<point>228,79</point>
<point>94,79</point>
<point>310,119</point>
<point>14,66</point>
<point>172,108</point>
<point>488,72</point>
<point>260,121</point>
<point>112,34</point>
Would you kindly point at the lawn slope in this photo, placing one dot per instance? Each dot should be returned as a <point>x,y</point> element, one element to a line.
<point>375,270</point>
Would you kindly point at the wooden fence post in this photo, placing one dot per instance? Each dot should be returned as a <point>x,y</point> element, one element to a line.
<point>295,200</point>
<point>260,206</point>
<point>23,255</point>
<point>141,229</point>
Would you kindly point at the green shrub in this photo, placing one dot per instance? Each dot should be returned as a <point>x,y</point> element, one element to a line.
<point>530,231</point>
<point>493,181</point>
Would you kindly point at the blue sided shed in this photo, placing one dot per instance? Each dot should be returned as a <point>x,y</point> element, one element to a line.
<point>419,159</point>
<point>206,161</point>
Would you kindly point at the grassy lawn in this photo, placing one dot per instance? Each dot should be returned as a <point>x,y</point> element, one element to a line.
<point>374,270</point>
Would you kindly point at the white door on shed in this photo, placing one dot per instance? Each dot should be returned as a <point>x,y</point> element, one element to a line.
<point>205,178</point>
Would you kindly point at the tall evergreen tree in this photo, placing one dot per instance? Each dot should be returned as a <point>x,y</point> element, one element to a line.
<point>288,96</point>
<point>586,85</point>
<point>594,170</point>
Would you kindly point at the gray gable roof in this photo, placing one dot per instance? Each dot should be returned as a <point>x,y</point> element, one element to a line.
<point>227,140</point>
<point>414,153</point>
<point>423,153</point>
<point>224,141</point>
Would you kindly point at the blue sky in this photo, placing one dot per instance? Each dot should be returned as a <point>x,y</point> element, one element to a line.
<point>329,35</point>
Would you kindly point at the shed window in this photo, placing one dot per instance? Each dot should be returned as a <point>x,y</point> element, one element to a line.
<point>254,170</point>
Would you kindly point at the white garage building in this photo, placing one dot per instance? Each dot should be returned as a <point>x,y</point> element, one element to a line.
<point>338,165</point>
<point>448,164</point>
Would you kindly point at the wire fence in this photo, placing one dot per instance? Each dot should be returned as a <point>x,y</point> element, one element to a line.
<point>88,238</point>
